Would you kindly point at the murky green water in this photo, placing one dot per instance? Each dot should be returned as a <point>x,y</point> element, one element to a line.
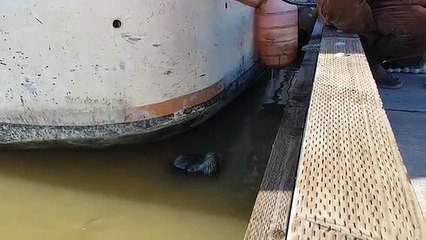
<point>133,192</point>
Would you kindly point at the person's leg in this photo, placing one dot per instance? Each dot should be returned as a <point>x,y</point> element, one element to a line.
<point>381,76</point>
<point>402,30</point>
<point>401,35</point>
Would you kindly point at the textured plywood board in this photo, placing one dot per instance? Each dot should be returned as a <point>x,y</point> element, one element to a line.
<point>351,182</point>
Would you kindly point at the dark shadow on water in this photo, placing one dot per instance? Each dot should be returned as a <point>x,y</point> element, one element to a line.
<point>242,133</point>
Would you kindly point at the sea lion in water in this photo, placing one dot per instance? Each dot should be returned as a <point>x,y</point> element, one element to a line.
<point>197,163</point>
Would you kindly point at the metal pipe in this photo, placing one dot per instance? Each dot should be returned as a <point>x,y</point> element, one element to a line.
<point>308,3</point>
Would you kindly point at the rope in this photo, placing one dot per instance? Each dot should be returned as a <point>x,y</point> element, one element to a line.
<point>312,47</point>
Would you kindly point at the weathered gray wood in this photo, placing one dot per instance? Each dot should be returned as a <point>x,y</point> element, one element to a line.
<point>406,109</point>
<point>270,215</point>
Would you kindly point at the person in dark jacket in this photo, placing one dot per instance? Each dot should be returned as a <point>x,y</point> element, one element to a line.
<point>389,30</point>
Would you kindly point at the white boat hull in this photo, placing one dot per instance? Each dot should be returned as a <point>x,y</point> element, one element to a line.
<point>83,71</point>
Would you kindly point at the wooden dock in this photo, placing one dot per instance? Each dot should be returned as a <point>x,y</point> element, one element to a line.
<point>348,179</point>
<point>406,110</point>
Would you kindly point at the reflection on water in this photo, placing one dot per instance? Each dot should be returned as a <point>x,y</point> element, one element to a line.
<point>132,192</point>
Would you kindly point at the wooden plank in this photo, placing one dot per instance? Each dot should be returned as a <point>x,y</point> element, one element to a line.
<point>410,134</point>
<point>270,215</point>
<point>351,182</point>
<point>406,110</point>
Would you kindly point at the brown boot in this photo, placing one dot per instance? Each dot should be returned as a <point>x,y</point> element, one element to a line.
<point>381,76</point>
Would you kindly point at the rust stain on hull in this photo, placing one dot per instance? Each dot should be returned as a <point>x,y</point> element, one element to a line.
<point>183,102</point>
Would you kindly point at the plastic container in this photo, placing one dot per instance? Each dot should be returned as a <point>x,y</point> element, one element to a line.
<point>277,32</point>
